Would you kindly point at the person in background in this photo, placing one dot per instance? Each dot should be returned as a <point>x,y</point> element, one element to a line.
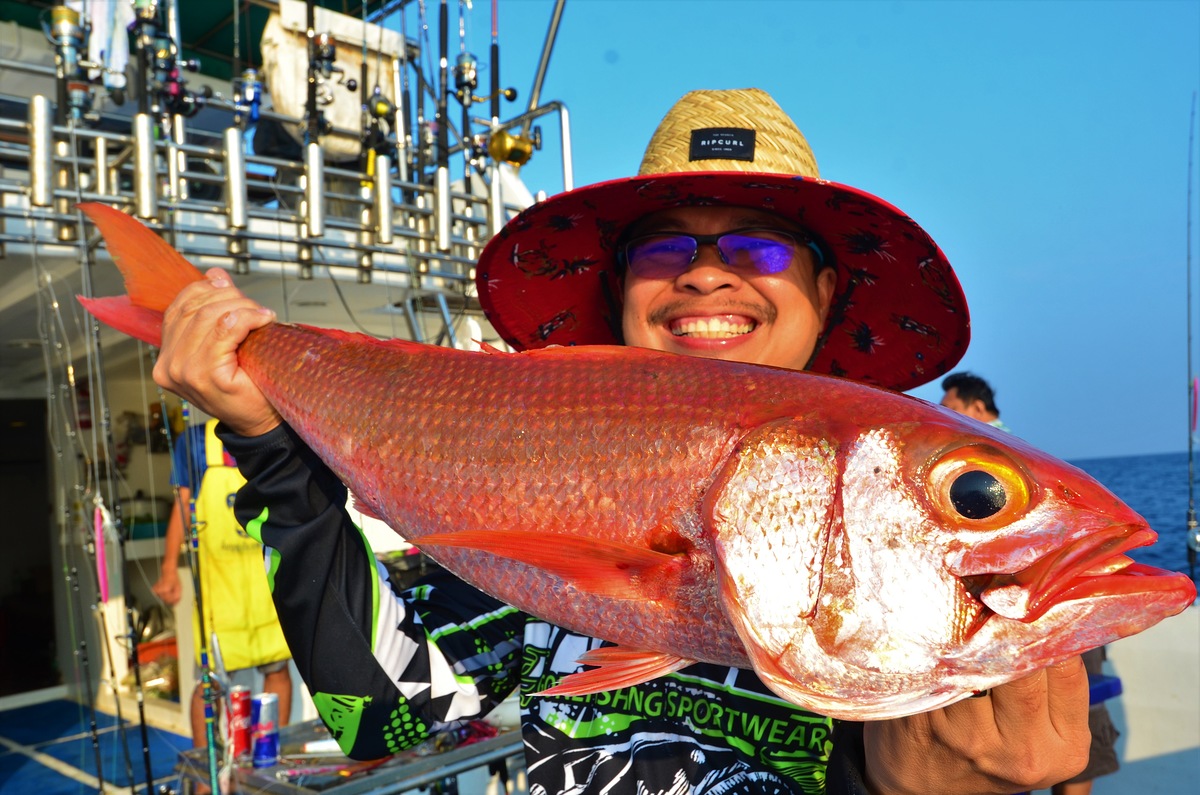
<point>728,245</point>
<point>233,581</point>
<point>969,394</point>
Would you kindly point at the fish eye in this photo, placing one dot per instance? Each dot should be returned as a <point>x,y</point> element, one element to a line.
<point>977,494</point>
<point>979,487</point>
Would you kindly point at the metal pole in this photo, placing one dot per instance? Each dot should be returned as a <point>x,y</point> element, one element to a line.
<point>535,94</point>
<point>145,167</point>
<point>235,178</point>
<point>383,199</point>
<point>314,195</point>
<point>41,151</point>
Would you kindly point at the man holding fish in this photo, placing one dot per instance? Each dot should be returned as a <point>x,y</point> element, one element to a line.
<point>726,246</point>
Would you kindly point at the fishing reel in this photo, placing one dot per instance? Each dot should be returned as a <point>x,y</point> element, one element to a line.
<point>323,66</point>
<point>164,69</point>
<point>68,35</point>
<point>380,107</point>
<point>169,84</point>
<point>247,96</point>
<point>379,124</point>
<point>504,147</point>
<point>466,77</point>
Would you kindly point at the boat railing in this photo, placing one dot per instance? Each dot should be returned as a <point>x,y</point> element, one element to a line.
<point>222,205</point>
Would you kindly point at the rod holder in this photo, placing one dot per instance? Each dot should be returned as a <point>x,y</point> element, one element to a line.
<point>383,199</point>
<point>103,183</point>
<point>145,168</point>
<point>314,194</point>
<point>41,151</point>
<point>235,178</point>
<point>177,162</point>
<point>495,202</point>
<point>441,209</point>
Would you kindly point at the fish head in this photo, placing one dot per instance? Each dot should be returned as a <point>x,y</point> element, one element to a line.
<point>882,571</point>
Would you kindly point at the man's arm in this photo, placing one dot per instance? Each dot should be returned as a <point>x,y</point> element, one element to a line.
<point>167,588</point>
<point>386,669</point>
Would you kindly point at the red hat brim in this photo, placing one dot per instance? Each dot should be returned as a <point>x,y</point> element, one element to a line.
<point>898,318</point>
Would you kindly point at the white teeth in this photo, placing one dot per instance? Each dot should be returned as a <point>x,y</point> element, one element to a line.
<point>711,328</point>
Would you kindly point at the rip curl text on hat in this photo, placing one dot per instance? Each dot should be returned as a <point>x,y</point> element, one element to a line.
<point>722,143</point>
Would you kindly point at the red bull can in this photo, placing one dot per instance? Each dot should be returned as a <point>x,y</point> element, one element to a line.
<point>264,715</point>
<point>240,722</point>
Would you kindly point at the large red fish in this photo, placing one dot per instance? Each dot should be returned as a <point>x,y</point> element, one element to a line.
<point>868,554</point>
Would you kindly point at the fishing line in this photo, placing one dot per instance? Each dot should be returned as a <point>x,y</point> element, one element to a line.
<point>1193,534</point>
<point>78,633</point>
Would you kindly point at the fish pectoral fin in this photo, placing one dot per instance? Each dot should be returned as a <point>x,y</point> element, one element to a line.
<point>616,667</point>
<point>365,508</point>
<point>604,568</point>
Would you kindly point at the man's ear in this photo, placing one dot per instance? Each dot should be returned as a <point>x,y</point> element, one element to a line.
<point>977,410</point>
<point>826,284</point>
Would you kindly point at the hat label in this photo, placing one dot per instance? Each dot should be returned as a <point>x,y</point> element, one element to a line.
<point>722,143</point>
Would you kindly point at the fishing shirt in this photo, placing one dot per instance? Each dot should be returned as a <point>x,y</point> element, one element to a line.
<point>389,668</point>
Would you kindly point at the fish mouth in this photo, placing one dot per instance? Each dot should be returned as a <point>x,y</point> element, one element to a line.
<point>1087,567</point>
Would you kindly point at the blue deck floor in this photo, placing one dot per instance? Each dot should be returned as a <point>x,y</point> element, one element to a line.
<point>49,749</point>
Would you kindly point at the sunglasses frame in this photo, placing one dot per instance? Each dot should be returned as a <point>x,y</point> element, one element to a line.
<point>797,238</point>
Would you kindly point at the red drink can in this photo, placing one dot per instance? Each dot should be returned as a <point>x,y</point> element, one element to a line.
<point>264,715</point>
<point>239,720</point>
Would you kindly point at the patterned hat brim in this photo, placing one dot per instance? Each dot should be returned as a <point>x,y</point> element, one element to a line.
<point>898,318</point>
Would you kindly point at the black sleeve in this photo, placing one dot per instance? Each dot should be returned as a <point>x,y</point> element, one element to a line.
<point>847,762</point>
<point>385,669</point>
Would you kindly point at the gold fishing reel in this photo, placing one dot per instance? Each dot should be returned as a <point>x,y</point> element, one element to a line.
<point>504,147</point>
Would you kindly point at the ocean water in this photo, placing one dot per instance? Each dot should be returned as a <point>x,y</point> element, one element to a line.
<point>1156,486</point>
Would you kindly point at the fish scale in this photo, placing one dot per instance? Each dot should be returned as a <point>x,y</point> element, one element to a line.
<point>698,510</point>
<point>559,423</point>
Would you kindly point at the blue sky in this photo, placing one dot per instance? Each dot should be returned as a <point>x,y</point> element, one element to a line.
<point>1043,145</point>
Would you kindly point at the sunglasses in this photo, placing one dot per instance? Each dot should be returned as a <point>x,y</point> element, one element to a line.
<point>667,255</point>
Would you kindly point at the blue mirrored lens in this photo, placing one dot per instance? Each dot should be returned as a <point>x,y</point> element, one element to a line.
<point>762,251</point>
<point>661,257</point>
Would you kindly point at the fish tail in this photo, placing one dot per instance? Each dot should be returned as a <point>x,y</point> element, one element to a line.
<point>154,274</point>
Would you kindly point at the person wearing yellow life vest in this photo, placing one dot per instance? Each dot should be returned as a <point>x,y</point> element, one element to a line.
<point>233,580</point>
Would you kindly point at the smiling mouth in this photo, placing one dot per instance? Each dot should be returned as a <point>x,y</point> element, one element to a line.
<point>711,328</point>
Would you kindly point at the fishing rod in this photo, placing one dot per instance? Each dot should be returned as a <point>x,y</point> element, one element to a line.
<point>1193,528</point>
<point>208,692</point>
<point>535,93</point>
<point>96,354</point>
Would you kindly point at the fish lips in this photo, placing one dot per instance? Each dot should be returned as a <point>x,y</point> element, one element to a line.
<point>1091,566</point>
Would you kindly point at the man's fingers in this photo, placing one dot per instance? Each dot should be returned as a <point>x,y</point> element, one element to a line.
<point>1068,696</point>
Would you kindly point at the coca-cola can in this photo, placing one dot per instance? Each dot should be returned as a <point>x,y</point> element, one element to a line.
<point>240,722</point>
<point>264,715</point>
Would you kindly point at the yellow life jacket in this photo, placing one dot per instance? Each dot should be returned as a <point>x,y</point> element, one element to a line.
<point>233,579</point>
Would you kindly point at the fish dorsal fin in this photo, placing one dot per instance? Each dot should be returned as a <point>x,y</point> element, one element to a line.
<point>617,667</point>
<point>770,512</point>
<point>605,568</point>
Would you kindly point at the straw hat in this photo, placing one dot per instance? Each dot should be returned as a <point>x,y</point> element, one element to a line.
<point>898,317</point>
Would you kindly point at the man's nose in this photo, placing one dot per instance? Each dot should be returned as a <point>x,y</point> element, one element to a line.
<point>708,272</point>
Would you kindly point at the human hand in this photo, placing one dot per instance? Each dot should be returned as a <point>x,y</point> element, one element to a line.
<point>168,588</point>
<point>1025,735</point>
<point>202,330</point>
